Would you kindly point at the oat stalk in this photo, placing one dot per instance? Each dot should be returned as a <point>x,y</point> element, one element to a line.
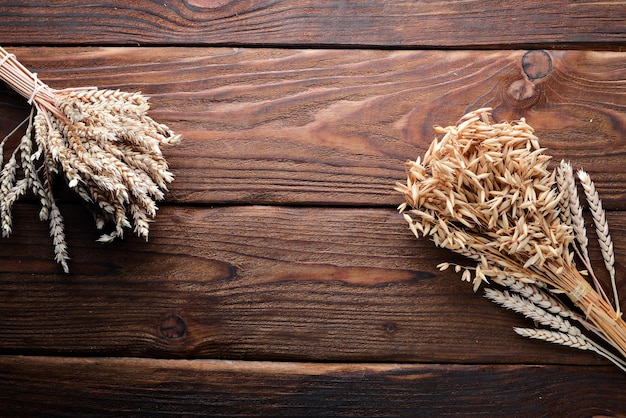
<point>102,142</point>
<point>484,190</point>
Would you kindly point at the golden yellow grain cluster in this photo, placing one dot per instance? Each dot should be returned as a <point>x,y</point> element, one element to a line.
<point>484,190</point>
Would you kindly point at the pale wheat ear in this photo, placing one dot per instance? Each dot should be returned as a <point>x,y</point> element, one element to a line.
<point>580,342</point>
<point>563,183</point>
<point>602,231</point>
<point>571,209</point>
<point>525,307</point>
<point>551,313</point>
<point>556,337</point>
<point>103,143</point>
<point>539,296</point>
<point>572,215</point>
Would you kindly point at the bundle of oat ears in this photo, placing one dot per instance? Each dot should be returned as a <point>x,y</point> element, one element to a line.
<point>484,190</point>
<point>103,144</point>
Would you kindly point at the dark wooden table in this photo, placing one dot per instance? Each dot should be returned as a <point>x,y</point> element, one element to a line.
<point>279,278</point>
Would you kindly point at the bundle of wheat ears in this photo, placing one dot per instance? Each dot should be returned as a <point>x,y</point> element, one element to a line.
<point>484,190</point>
<point>104,144</point>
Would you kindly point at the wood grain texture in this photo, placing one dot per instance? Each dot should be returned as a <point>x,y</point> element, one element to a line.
<point>113,387</point>
<point>335,127</point>
<point>258,282</point>
<point>376,23</point>
<point>279,280</point>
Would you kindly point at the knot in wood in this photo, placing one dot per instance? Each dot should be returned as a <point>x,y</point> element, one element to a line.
<point>173,327</point>
<point>390,327</point>
<point>521,90</point>
<point>536,64</point>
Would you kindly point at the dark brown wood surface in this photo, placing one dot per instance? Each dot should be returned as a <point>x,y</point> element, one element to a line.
<point>335,127</point>
<point>258,282</point>
<point>89,386</point>
<point>279,278</point>
<point>356,23</point>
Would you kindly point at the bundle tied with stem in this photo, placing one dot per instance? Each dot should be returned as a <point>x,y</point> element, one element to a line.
<point>484,190</point>
<point>101,141</point>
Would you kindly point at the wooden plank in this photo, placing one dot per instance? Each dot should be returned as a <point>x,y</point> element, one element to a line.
<point>335,127</point>
<point>356,23</point>
<point>272,283</point>
<point>112,387</point>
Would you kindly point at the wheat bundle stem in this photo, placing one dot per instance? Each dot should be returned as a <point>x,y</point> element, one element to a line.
<point>485,190</point>
<point>103,143</point>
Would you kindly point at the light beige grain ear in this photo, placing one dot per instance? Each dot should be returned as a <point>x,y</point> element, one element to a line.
<point>564,197</point>
<point>530,310</point>
<point>580,342</point>
<point>539,297</point>
<point>602,230</point>
<point>555,337</point>
<point>573,209</point>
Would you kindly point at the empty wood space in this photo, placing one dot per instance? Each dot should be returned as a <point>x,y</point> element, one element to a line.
<point>279,279</point>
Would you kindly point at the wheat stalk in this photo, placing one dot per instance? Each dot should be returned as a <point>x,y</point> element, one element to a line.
<point>538,296</point>
<point>556,337</point>
<point>103,143</point>
<point>530,310</point>
<point>580,342</point>
<point>602,230</point>
<point>485,190</point>
<point>572,209</point>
